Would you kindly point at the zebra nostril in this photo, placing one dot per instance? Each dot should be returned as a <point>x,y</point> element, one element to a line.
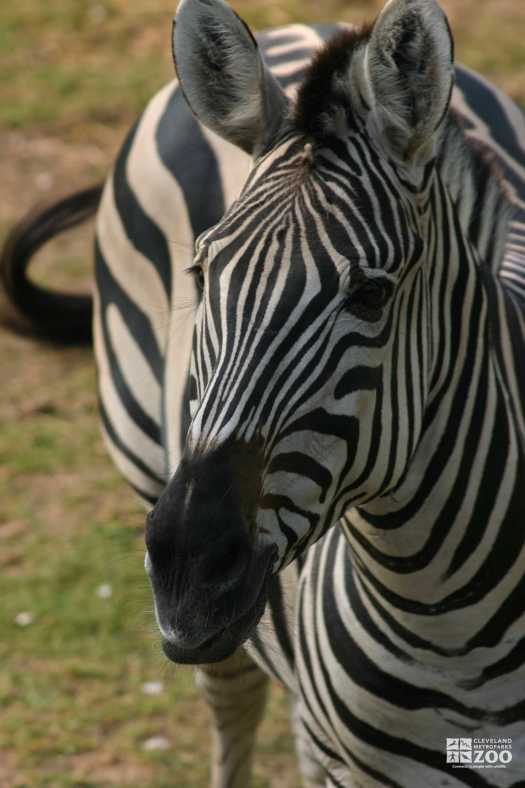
<point>226,561</point>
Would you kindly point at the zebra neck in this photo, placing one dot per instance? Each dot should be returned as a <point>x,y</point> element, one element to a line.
<point>435,549</point>
<point>476,187</point>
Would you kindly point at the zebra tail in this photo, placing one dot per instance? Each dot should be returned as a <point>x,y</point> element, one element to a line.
<point>59,317</point>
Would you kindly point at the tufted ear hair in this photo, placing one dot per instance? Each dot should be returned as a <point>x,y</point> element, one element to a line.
<point>223,77</point>
<point>406,75</point>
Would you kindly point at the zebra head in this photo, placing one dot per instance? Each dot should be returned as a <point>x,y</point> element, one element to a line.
<point>312,347</point>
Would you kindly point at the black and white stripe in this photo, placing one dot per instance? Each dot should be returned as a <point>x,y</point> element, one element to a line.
<point>355,307</point>
<point>409,615</point>
<point>173,179</point>
<point>404,421</point>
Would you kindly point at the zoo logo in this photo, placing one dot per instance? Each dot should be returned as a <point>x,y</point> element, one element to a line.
<point>479,753</point>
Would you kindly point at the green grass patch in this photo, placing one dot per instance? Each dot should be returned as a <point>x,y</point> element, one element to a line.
<point>57,56</point>
<point>72,709</point>
<point>72,679</point>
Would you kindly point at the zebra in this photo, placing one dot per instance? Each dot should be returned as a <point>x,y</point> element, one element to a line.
<point>325,411</point>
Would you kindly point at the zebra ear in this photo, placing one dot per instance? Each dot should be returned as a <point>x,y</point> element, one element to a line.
<point>223,77</point>
<point>408,73</point>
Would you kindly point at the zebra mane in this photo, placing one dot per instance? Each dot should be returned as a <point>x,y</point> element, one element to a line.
<point>326,106</point>
<point>477,186</point>
<point>323,91</point>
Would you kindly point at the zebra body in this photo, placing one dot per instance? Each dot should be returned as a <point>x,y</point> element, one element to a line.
<point>335,425</point>
<point>184,177</point>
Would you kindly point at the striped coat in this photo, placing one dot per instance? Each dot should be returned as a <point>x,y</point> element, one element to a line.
<point>402,624</point>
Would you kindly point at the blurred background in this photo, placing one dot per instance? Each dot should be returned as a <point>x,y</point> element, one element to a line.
<point>86,698</point>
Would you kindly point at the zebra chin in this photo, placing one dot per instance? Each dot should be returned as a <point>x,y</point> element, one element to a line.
<point>220,645</point>
<point>200,637</point>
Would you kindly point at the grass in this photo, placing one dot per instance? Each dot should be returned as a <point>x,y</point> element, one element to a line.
<point>72,707</point>
<point>56,55</point>
<point>72,695</point>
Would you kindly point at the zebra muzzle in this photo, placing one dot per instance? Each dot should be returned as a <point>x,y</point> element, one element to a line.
<point>208,571</point>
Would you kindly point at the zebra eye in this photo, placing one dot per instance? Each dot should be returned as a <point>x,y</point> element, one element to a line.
<point>373,294</point>
<point>368,297</point>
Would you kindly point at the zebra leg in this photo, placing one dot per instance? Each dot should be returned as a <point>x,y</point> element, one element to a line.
<point>236,691</point>
<point>312,772</point>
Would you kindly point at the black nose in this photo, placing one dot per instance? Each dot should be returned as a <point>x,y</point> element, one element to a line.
<point>202,527</point>
<point>223,561</point>
<point>208,570</point>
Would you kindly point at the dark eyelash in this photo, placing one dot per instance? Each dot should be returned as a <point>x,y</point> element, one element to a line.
<point>198,274</point>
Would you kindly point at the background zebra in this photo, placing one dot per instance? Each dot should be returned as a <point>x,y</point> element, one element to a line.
<point>486,243</point>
